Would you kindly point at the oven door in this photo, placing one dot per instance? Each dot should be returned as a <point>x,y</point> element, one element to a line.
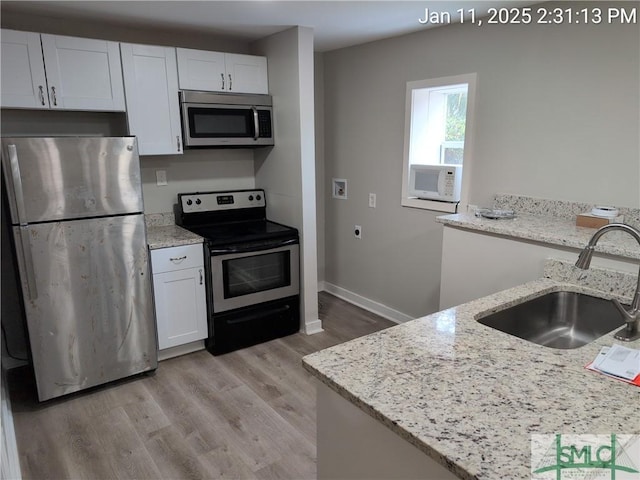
<point>241,278</point>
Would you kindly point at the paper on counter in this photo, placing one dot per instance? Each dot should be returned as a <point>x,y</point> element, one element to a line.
<point>618,362</point>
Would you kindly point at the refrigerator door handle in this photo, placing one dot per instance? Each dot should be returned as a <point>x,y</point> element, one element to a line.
<point>27,261</point>
<point>16,184</point>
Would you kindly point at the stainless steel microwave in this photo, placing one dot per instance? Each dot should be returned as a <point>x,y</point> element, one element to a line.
<point>226,120</point>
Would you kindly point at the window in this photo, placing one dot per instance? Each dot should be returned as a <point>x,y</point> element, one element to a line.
<point>438,126</point>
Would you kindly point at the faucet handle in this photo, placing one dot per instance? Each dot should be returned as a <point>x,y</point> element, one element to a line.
<point>630,331</point>
<point>629,315</point>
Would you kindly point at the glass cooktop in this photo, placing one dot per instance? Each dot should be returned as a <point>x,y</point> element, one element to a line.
<point>246,231</point>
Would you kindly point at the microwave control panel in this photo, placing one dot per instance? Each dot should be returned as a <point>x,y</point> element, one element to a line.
<point>264,124</point>
<point>448,183</point>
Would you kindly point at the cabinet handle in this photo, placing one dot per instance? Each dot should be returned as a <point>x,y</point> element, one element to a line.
<point>178,259</point>
<point>178,142</point>
<point>41,93</point>
<point>230,84</point>
<point>53,95</point>
<point>201,279</point>
<point>222,76</point>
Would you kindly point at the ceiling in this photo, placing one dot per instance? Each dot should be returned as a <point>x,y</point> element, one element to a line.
<point>336,23</point>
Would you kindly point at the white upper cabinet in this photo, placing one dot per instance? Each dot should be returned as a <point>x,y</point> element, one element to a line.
<point>247,73</point>
<point>151,88</point>
<point>81,73</point>
<point>24,84</point>
<point>222,72</point>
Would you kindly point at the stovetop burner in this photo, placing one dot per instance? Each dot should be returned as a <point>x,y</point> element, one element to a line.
<point>229,217</point>
<point>247,231</point>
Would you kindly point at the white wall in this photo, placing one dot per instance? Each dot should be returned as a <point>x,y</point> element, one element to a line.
<point>557,117</point>
<point>287,171</point>
<point>320,175</point>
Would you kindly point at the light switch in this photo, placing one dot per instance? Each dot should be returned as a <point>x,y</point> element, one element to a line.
<point>161,177</point>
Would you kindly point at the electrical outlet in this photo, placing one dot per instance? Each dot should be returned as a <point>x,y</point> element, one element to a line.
<point>372,200</point>
<point>357,232</point>
<point>161,177</point>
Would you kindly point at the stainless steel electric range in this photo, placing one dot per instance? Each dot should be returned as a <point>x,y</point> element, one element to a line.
<point>253,280</point>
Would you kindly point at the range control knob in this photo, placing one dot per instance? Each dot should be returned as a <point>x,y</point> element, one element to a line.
<point>198,201</point>
<point>258,197</point>
<point>189,202</point>
<point>251,198</point>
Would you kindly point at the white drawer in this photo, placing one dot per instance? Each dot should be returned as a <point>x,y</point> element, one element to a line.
<point>176,258</point>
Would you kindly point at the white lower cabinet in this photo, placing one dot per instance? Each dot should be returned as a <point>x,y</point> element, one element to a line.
<point>179,295</point>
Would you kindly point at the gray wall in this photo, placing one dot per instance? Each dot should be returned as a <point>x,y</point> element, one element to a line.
<point>557,117</point>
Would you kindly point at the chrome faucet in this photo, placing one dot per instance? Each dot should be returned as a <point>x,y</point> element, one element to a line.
<point>631,316</point>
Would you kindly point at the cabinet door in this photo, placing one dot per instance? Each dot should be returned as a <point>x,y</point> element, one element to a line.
<point>24,83</point>
<point>201,70</point>
<point>180,307</point>
<point>151,86</point>
<point>83,74</point>
<point>246,73</point>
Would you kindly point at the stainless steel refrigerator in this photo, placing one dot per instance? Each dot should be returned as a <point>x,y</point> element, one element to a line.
<point>80,241</point>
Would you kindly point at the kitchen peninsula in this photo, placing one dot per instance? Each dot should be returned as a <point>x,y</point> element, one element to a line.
<point>465,396</point>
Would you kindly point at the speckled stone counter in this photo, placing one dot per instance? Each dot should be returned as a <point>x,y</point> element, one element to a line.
<point>548,230</point>
<point>551,222</point>
<point>163,236</point>
<point>469,396</point>
<point>162,232</point>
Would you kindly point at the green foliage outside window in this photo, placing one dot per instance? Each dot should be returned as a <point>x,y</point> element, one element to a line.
<point>456,117</point>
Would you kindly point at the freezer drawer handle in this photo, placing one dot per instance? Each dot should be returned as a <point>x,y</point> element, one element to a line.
<point>17,184</point>
<point>178,259</point>
<point>28,262</point>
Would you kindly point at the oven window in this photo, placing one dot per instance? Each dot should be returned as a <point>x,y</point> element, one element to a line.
<point>220,122</point>
<point>256,273</point>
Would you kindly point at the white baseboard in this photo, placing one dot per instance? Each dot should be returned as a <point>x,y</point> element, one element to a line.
<point>313,327</point>
<point>180,350</point>
<point>366,303</point>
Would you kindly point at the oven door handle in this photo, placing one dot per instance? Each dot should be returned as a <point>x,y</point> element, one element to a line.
<point>252,247</point>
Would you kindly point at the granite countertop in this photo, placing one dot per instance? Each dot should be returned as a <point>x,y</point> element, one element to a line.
<point>549,230</point>
<point>470,396</point>
<point>163,236</point>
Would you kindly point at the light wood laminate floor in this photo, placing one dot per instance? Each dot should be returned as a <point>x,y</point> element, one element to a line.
<point>244,415</point>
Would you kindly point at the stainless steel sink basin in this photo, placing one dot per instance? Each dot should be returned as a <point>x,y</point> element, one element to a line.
<point>558,319</point>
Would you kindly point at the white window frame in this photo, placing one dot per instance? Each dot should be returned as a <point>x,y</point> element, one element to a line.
<point>470,79</point>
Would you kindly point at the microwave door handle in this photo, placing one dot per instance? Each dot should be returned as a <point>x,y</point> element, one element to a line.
<point>256,125</point>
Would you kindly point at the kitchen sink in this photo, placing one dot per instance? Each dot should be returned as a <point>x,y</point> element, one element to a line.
<point>558,319</point>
